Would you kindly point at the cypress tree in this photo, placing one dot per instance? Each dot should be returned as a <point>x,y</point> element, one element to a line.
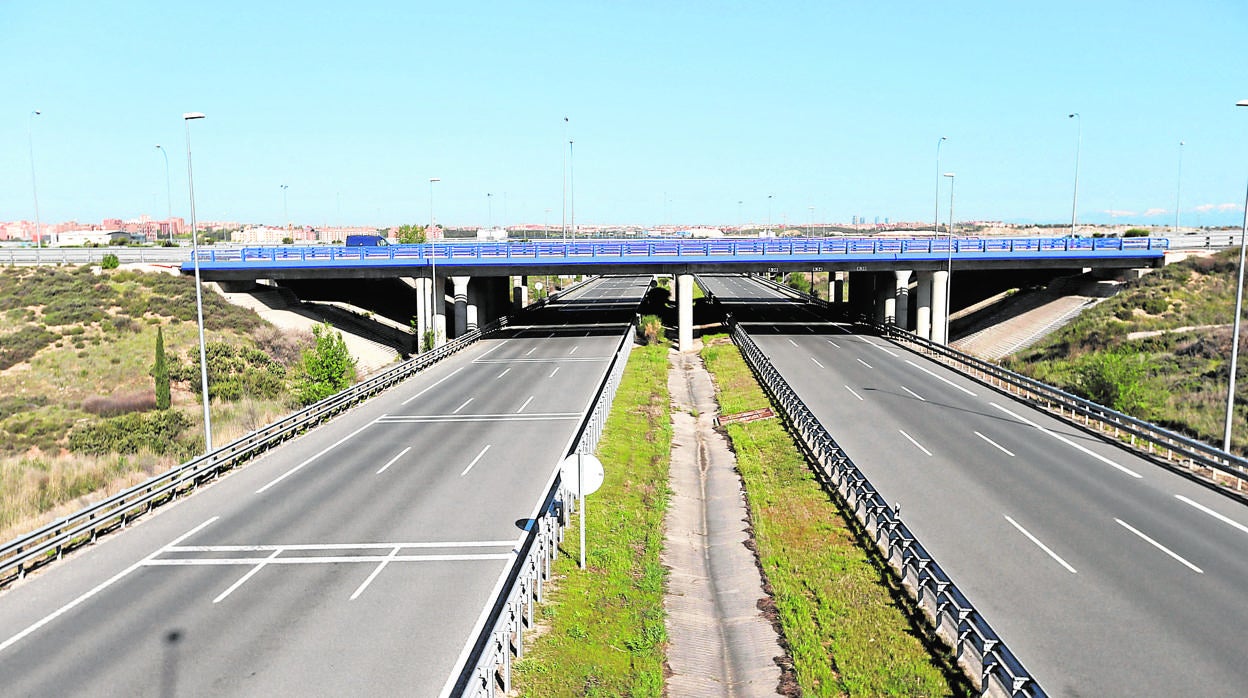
<point>160,373</point>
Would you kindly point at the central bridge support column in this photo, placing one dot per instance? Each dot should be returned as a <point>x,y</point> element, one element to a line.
<point>520,298</point>
<point>923,309</point>
<point>885,309</point>
<point>460,285</point>
<point>684,311</point>
<point>901,297</point>
<point>840,287</point>
<point>939,279</point>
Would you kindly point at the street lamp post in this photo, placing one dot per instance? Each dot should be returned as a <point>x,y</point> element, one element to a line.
<point>1178,189</point>
<point>563,228</point>
<point>769,198</point>
<point>1239,302</point>
<point>949,261</point>
<point>285,215</point>
<point>30,140</point>
<point>433,266</point>
<point>571,193</point>
<point>1074,206</point>
<point>936,219</point>
<point>168,194</point>
<point>199,300</point>
<point>489,202</point>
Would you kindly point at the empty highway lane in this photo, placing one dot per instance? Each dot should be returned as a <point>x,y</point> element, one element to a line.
<point>356,559</point>
<point>1105,573</point>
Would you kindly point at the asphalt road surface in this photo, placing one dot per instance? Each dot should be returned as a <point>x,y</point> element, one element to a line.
<point>1107,574</point>
<point>357,559</point>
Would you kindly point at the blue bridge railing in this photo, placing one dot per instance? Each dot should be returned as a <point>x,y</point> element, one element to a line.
<point>692,250</point>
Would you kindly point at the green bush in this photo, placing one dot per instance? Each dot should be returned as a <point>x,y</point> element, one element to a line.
<point>110,261</point>
<point>327,368</point>
<point>21,345</point>
<point>1119,381</point>
<point>651,329</point>
<point>157,432</point>
<point>1136,233</point>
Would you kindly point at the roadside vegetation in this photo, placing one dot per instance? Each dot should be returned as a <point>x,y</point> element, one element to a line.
<point>844,618</point>
<point>86,406</point>
<point>602,629</point>
<point>1167,375</point>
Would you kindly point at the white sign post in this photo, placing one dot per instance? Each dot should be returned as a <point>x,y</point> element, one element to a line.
<point>583,474</point>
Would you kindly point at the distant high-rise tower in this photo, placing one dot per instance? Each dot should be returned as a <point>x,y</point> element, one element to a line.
<point>855,220</point>
<point>877,220</point>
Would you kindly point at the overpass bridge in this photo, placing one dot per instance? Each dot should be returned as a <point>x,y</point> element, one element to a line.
<point>870,275</point>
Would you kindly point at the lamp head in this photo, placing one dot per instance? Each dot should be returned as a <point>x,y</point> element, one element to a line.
<point>193,115</point>
<point>1073,115</point>
<point>1240,103</point>
<point>944,138</point>
<point>950,175</point>
<point>36,112</point>
<point>434,179</point>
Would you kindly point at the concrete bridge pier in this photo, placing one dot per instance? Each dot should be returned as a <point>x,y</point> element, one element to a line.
<point>459,286</point>
<point>923,305</point>
<point>861,293</point>
<point>520,296</point>
<point>839,291</point>
<point>437,291</point>
<point>885,310</point>
<point>684,311</point>
<point>901,298</point>
<point>939,279</point>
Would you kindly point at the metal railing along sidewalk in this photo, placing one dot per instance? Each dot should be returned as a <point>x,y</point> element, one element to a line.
<point>52,541</point>
<point>953,615</point>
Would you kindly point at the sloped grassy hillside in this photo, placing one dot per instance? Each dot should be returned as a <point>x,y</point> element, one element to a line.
<point>77,403</point>
<point>1159,350</point>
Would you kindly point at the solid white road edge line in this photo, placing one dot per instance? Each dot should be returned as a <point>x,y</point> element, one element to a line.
<point>392,460</point>
<point>250,573</point>
<point>1043,547</point>
<point>322,452</point>
<point>1068,442</point>
<point>1159,546</point>
<point>1003,449</point>
<point>301,547</point>
<point>474,460</point>
<point>1212,513</point>
<point>883,349</point>
<point>100,587</point>
<point>916,443</point>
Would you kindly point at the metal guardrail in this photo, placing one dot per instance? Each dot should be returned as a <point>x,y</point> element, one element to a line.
<point>50,542</point>
<point>93,255</point>
<point>952,614</point>
<point>487,671</point>
<point>719,249</point>
<point>1194,455</point>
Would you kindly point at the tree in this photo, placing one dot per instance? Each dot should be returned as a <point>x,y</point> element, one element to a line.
<point>411,234</point>
<point>160,373</point>
<point>327,367</point>
<point>110,261</point>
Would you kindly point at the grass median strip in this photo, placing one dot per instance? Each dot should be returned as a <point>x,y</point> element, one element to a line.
<point>603,629</point>
<point>840,611</point>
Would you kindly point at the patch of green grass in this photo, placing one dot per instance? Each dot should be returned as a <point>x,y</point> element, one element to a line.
<point>841,620</point>
<point>605,633</point>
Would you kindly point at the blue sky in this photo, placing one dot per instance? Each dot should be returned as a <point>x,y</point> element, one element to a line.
<point>678,110</point>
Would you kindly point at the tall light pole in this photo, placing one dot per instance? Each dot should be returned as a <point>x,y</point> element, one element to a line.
<point>1178,189</point>
<point>199,299</point>
<point>949,262</point>
<point>1074,206</point>
<point>489,203</point>
<point>433,269</point>
<point>810,230</point>
<point>1239,302</point>
<point>769,198</point>
<point>285,215</point>
<point>30,140</point>
<point>571,192</point>
<point>168,193</point>
<point>936,219</point>
<point>564,226</point>
<point>740,218</point>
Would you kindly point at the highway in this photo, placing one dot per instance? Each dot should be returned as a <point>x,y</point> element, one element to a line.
<point>1106,574</point>
<point>357,559</point>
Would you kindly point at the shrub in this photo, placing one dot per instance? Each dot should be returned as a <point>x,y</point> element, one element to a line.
<point>327,368</point>
<point>1136,233</point>
<point>121,403</point>
<point>284,346</point>
<point>21,345</point>
<point>110,261</point>
<point>652,331</point>
<point>1117,380</point>
<point>157,432</point>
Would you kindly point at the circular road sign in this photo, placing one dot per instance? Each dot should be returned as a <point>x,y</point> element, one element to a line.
<point>594,474</point>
